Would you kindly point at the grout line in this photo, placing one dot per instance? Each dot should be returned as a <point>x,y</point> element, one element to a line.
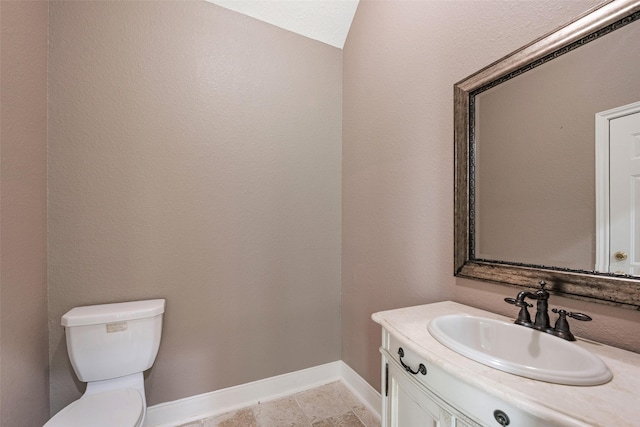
<point>306,416</point>
<point>359,419</point>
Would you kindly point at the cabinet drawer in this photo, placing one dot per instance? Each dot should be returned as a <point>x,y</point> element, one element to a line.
<point>468,400</point>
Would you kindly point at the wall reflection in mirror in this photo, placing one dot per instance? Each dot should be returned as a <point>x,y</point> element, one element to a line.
<point>538,197</point>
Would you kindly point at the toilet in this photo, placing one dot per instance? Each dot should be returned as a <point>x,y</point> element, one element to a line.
<point>110,346</point>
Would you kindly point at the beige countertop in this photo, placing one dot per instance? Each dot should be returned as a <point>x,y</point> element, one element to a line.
<point>614,404</point>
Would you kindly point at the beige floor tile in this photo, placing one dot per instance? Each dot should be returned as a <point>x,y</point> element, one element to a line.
<point>324,402</point>
<point>331,405</point>
<point>345,420</point>
<point>280,413</point>
<point>345,394</point>
<point>366,416</point>
<point>240,418</point>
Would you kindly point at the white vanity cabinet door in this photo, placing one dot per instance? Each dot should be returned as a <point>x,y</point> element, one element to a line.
<point>437,399</point>
<point>407,404</point>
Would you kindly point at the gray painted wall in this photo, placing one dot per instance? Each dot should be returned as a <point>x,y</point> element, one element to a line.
<point>401,61</point>
<point>24,377</point>
<point>194,155</point>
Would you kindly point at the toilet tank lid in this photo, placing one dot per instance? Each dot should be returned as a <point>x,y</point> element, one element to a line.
<point>116,312</point>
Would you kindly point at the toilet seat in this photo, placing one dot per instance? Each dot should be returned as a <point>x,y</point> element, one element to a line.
<point>121,407</point>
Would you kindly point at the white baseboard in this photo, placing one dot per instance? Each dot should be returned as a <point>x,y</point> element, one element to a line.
<point>218,402</point>
<point>368,395</point>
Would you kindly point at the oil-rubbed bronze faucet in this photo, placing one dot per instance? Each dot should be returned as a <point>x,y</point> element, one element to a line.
<point>541,322</point>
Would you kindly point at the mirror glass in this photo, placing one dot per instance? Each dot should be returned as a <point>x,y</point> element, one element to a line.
<point>547,162</point>
<point>536,185</point>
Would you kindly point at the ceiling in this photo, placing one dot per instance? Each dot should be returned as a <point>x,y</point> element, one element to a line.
<point>325,20</point>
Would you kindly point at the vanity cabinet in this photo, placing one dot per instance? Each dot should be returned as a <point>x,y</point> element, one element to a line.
<point>418,393</point>
<point>425,384</point>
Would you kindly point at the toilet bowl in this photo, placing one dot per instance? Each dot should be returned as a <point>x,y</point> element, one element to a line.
<point>121,408</point>
<point>110,346</point>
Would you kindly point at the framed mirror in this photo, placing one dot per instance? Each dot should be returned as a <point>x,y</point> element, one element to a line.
<point>547,162</point>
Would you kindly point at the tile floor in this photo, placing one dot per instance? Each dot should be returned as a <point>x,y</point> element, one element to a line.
<point>331,405</point>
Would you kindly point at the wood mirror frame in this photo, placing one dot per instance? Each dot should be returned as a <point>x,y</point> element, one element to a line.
<point>618,290</point>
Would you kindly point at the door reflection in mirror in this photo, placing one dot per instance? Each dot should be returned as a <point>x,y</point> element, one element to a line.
<point>618,186</point>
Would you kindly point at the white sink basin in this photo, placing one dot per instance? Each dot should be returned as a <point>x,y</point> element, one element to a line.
<point>519,350</point>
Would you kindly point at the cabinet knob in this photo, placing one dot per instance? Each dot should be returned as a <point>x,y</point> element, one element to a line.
<point>501,417</point>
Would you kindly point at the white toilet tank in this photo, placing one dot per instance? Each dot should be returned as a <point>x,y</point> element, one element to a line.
<point>113,340</point>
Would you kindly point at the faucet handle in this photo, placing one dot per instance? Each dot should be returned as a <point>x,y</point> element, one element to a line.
<point>562,326</point>
<point>578,316</point>
<point>523,315</point>
<point>517,303</point>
